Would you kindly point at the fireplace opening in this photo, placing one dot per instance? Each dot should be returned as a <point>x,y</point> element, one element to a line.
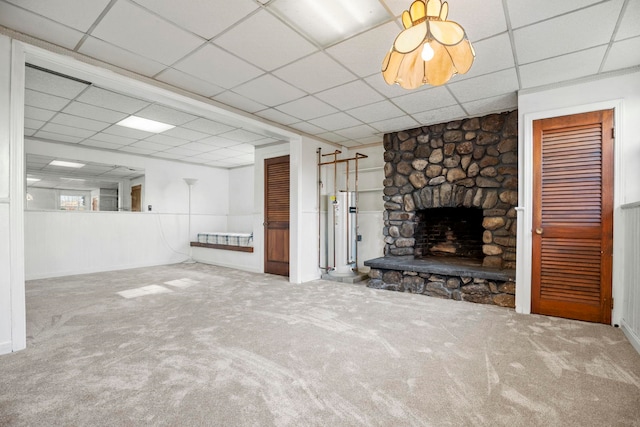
<point>449,232</point>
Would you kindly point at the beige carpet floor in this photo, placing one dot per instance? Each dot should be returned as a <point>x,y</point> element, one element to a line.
<point>198,345</point>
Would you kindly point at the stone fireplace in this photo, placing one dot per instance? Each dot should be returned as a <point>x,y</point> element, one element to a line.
<point>450,193</point>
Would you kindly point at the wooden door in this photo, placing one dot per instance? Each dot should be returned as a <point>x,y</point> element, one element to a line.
<point>276,216</point>
<point>136,198</point>
<point>573,216</point>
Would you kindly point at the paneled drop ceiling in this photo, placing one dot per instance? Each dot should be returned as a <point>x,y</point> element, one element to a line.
<point>312,66</point>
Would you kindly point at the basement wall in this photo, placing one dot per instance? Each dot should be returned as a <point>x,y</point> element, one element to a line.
<point>619,92</point>
<point>66,243</point>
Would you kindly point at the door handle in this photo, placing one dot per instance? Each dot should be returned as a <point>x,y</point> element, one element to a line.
<point>539,230</point>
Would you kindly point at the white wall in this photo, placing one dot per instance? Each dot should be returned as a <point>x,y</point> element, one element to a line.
<point>619,92</point>
<point>65,243</point>
<point>241,199</point>
<point>370,203</point>
<point>12,307</point>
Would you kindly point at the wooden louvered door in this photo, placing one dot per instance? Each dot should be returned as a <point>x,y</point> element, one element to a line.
<point>276,214</point>
<point>573,216</point>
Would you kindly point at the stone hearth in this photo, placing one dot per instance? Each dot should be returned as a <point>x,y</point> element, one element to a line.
<point>470,168</point>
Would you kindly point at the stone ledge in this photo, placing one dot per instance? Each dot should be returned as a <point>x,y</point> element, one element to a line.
<point>440,266</point>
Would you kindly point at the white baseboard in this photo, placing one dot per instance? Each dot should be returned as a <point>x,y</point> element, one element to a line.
<point>5,347</point>
<point>38,276</point>
<point>633,338</point>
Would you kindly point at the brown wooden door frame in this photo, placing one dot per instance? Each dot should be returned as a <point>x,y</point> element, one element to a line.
<point>276,216</point>
<point>555,234</point>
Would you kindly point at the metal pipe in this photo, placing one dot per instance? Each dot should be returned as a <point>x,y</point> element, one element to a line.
<point>347,213</point>
<point>319,190</point>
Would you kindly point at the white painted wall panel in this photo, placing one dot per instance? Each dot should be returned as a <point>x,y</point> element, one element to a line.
<point>5,282</point>
<point>631,304</point>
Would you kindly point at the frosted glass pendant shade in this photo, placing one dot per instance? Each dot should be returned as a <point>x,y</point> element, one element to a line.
<point>430,50</point>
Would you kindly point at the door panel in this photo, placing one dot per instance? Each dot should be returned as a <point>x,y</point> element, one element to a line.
<point>573,216</point>
<point>136,198</point>
<point>276,214</point>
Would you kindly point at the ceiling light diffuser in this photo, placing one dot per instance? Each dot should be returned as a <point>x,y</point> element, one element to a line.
<point>430,49</point>
<point>66,164</point>
<point>29,179</point>
<point>135,122</point>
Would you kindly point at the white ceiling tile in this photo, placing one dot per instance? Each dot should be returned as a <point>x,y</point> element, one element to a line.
<point>115,55</point>
<point>396,124</point>
<point>111,100</point>
<point>241,135</point>
<point>376,139</point>
<point>220,164</point>
<point>265,49</point>
<point>492,54</point>
<point>218,142</point>
<point>335,121</point>
<point>33,123</point>
<point>52,84</point>
<point>79,122</point>
<point>189,83</point>
<point>36,113</point>
<point>92,112</point>
<point>350,95</point>
<point>58,137</point>
<point>521,13</point>
<point>160,41</point>
<point>67,130</point>
<point>38,26</point>
<point>269,91</point>
<point>307,128</point>
<point>206,18</point>
<point>375,112</point>
<point>567,33</point>
<point>485,86</point>
<point>358,132</point>
<point>113,139</point>
<point>43,100</point>
<point>277,116</point>
<point>480,19</point>
<point>390,91</point>
<point>214,65</point>
<point>363,54</point>
<point>127,132</point>
<point>492,105</point>
<point>623,54</point>
<point>148,145</point>
<point>441,115</point>
<point>315,73</point>
<point>181,151</point>
<point>332,137</point>
<point>100,144</point>
<point>161,113</point>
<point>207,126</point>
<point>222,153</point>
<point>195,159</point>
<point>136,150</point>
<point>167,140</point>
<point>307,108</point>
<point>562,68</point>
<point>240,102</point>
<point>78,14</point>
<point>424,100</point>
<point>629,26</point>
<point>186,134</point>
<point>244,148</point>
<point>170,156</point>
<point>197,146</point>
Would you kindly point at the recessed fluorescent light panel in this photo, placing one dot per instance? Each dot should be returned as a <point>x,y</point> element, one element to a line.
<point>329,21</point>
<point>135,122</point>
<point>65,164</point>
<point>29,179</point>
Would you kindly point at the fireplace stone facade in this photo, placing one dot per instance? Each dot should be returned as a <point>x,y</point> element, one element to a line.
<point>470,164</point>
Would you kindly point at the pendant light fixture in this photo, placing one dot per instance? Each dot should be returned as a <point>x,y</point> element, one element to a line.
<point>430,49</point>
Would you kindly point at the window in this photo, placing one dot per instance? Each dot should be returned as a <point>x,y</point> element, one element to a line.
<point>72,203</point>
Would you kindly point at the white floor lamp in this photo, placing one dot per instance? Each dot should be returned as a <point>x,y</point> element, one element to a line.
<point>190,182</point>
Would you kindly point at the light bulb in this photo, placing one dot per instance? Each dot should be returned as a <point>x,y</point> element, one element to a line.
<point>427,52</point>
